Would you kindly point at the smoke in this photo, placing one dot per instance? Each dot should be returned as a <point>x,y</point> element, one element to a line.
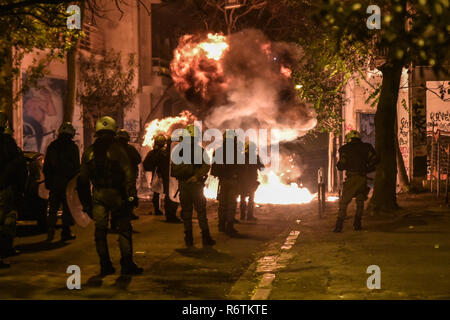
<point>242,81</point>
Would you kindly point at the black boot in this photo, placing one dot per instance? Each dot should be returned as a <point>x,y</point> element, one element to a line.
<point>230,230</point>
<point>3,265</point>
<point>189,239</point>
<point>66,234</point>
<point>106,268</point>
<point>50,234</point>
<point>207,240</point>
<point>129,267</point>
<point>339,224</point>
<point>357,223</point>
<point>222,225</point>
<point>10,251</point>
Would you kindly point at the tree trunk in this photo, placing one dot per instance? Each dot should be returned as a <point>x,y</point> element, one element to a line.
<point>384,194</point>
<point>6,83</point>
<point>69,105</point>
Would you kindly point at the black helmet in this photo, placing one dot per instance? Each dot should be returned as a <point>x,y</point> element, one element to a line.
<point>123,134</point>
<point>67,128</point>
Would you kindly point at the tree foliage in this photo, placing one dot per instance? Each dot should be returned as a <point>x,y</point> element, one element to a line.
<point>106,85</point>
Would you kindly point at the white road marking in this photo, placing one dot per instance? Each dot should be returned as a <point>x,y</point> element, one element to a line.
<point>269,264</point>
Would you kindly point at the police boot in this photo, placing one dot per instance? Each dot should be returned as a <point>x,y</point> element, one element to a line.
<point>207,240</point>
<point>10,251</point>
<point>358,216</point>
<point>189,239</point>
<point>4,265</point>
<point>129,267</point>
<point>66,234</point>
<point>222,225</point>
<point>230,230</point>
<point>106,267</point>
<point>50,234</point>
<point>339,224</point>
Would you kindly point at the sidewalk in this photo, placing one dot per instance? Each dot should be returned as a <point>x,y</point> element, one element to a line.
<point>412,250</point>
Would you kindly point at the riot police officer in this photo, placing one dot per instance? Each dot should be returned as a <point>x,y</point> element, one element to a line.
<point>12,180</point>
<point>191,177</point>
<point>229,173</point>
<point>106,165</point>
<point>61,164</point>
<point>124,139</point>
<point>249,181</point>
<point>357,159</point>
<point>158,162</point>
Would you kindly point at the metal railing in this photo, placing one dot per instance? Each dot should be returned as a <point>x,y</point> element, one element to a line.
<point>440,163</point>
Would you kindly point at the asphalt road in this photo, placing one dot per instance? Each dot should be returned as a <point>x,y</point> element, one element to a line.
<point>170,271</point>
<point>289,253</point>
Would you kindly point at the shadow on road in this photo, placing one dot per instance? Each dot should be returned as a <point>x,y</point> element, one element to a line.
<point>40,246</point>
<point>204,253</point>
<point>94,282</point>
<point>123,282</point>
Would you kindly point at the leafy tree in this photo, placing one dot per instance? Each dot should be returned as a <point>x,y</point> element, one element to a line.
<point>26,26</point>
<point>106,85</point>
<point>412,32</point>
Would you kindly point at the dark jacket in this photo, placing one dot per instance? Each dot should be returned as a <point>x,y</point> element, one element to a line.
<point>157,161</point>
<point>185,171</point>
<point>62,163</point>
<point>133,154</point>
<point>357,157</point>
<point>106,164</point>
<point>226,170</point>
<point>249,175</point>
<point>13,171</point>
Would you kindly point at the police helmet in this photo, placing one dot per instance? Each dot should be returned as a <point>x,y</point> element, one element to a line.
<point>106,123</point>
<point>192,131</point>
<point>123,134</point>
<point>354,134</point>
<point>67,128</point>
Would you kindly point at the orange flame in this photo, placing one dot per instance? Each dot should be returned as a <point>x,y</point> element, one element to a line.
<point>203,57</point>
<point>165,126</point>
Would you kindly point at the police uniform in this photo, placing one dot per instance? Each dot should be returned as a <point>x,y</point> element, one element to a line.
<point>158,162</point>
<point>249,184</point>
<point>106,165</point>
<point>61,164</point>
<point>12,181</point>
<point>229,175</point>
<point>191,181</point>
<point>357,159</point>
<point>135,158</point>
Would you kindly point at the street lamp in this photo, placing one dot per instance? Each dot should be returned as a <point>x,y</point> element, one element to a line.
<point>232,4</point>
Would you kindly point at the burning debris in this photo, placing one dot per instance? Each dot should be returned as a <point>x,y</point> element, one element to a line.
<point>166,126</point>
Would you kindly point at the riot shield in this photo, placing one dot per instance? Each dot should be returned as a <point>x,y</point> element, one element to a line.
<point>75,207</point>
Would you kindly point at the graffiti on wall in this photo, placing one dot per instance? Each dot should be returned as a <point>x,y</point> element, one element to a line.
<point>42,113</point>
<point>438,105</point>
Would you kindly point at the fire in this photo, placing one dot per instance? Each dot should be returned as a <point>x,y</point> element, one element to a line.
<point>165,126</point>
<point>271,190</point>
<point>199,61</point>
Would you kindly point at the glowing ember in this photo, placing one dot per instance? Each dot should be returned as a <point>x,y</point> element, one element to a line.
<point>332,198</point>
<point>165,126</point>
<point>286,71</point>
